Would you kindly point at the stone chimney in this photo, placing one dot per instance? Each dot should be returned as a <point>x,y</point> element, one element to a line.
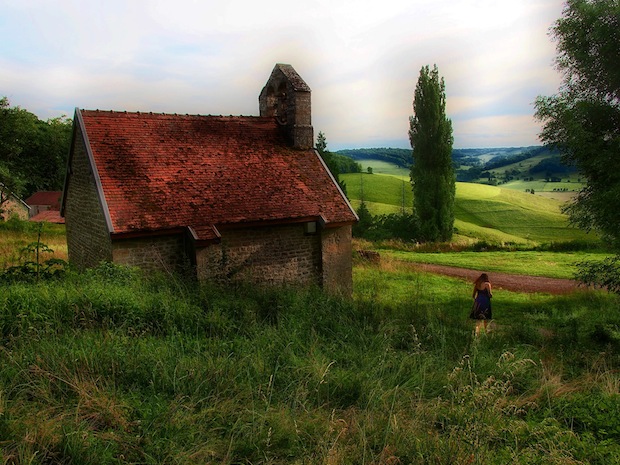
<point>287,98</point>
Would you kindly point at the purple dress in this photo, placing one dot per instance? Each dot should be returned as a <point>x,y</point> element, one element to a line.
<point>482,306</point>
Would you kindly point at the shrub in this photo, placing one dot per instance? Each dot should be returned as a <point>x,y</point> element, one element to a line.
<point>604,274</point>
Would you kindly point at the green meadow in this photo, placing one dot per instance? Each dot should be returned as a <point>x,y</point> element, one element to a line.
<point>110,367</point>
<point>383,167</point>
<point>482,212</point>
<point>527,263</point>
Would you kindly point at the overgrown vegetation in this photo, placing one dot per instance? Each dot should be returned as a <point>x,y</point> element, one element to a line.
<point>111,367</point>
<point>20,239</point>
<point>35,262</point>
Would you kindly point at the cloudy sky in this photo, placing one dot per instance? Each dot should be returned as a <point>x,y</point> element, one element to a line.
<point>361,59</point>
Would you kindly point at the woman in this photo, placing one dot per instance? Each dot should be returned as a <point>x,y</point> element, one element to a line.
<point>481,310</point>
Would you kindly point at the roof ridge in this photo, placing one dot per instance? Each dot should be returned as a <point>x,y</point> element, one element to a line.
<point>152,113</point>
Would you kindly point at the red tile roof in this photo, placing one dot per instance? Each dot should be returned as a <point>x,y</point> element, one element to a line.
<point>161,171</point>
<point>51,198</point>
<point>51,216</point>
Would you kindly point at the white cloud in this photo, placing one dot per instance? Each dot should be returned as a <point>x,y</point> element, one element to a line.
<point>212,57</point>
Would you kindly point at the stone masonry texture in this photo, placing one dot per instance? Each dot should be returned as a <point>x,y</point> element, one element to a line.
<point>270,255</point>
<point>88,239</point>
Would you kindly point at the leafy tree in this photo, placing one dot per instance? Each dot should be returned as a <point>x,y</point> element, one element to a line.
<point>330,160</point>
<point>432,173</point>
<point>53,147</point>
<point>583,119</point>
<point>345,164</point>
<point>32,151</point>
<point>365,223</point>
<point>9,185</point>
<point>321,143</point>
<point>18,131</point>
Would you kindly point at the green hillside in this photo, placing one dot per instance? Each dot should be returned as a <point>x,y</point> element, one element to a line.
<point>382,193</point>
<point>384,167</point>
<point>485,212</point>
<point>520,168</point>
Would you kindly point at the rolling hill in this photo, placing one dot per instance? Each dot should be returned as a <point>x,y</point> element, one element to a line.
<point>484,212</point>
<point>520,168</point>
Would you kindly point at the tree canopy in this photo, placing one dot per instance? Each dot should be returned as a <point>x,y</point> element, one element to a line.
<point>432,173</point>
<point>333,161</point>
<point>33,153</point>
<point>583,119</point>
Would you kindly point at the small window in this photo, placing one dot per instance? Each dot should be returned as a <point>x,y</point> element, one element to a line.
<point>310,227</point>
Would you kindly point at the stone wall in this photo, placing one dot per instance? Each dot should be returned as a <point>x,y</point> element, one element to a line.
<point>88,239</point>
<point>271,255</point>
<point>36,209</point>
<point>13,207</point>
<point>156,253</point>
<point>337,260</point>
<point>301,131</point>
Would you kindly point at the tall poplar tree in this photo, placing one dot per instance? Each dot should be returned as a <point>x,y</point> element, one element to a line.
<point>432,173</point>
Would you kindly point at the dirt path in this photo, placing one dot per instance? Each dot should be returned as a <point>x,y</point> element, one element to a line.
<point>510,282</point>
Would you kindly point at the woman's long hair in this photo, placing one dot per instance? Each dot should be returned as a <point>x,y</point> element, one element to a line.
<point>484,278</point>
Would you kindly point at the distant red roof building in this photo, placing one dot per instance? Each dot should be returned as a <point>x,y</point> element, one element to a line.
<point>229,196</point>
<point>50,216</point>
<point>44,200</point>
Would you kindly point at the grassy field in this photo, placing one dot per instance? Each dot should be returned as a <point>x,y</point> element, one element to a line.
<point>570,181</point>
<point>529,263</point>
<point>523,166</point>
<point>383,194</point>
<point>383,167</point>
<point>483,212</point>
<point>109,367</point>
<point>540,185</point>
<point>16,236</point>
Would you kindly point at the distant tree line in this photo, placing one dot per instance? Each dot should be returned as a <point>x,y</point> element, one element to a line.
<point>504,160</point>
<point>553,164</point>
<point>469,158</point>
<point>399,157</point>
<point>336,163</point>
<point>345,164</point>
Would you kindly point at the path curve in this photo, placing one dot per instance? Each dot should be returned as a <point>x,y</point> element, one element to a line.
<point>509,282</point>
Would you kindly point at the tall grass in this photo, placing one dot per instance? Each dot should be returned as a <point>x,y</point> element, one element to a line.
<point>111,367</point>
<point>15,235</point>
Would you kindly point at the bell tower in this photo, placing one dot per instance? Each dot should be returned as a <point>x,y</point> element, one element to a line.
<point>286,97</point>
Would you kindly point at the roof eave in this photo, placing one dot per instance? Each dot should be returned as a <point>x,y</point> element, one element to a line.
<point>344,197</point>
